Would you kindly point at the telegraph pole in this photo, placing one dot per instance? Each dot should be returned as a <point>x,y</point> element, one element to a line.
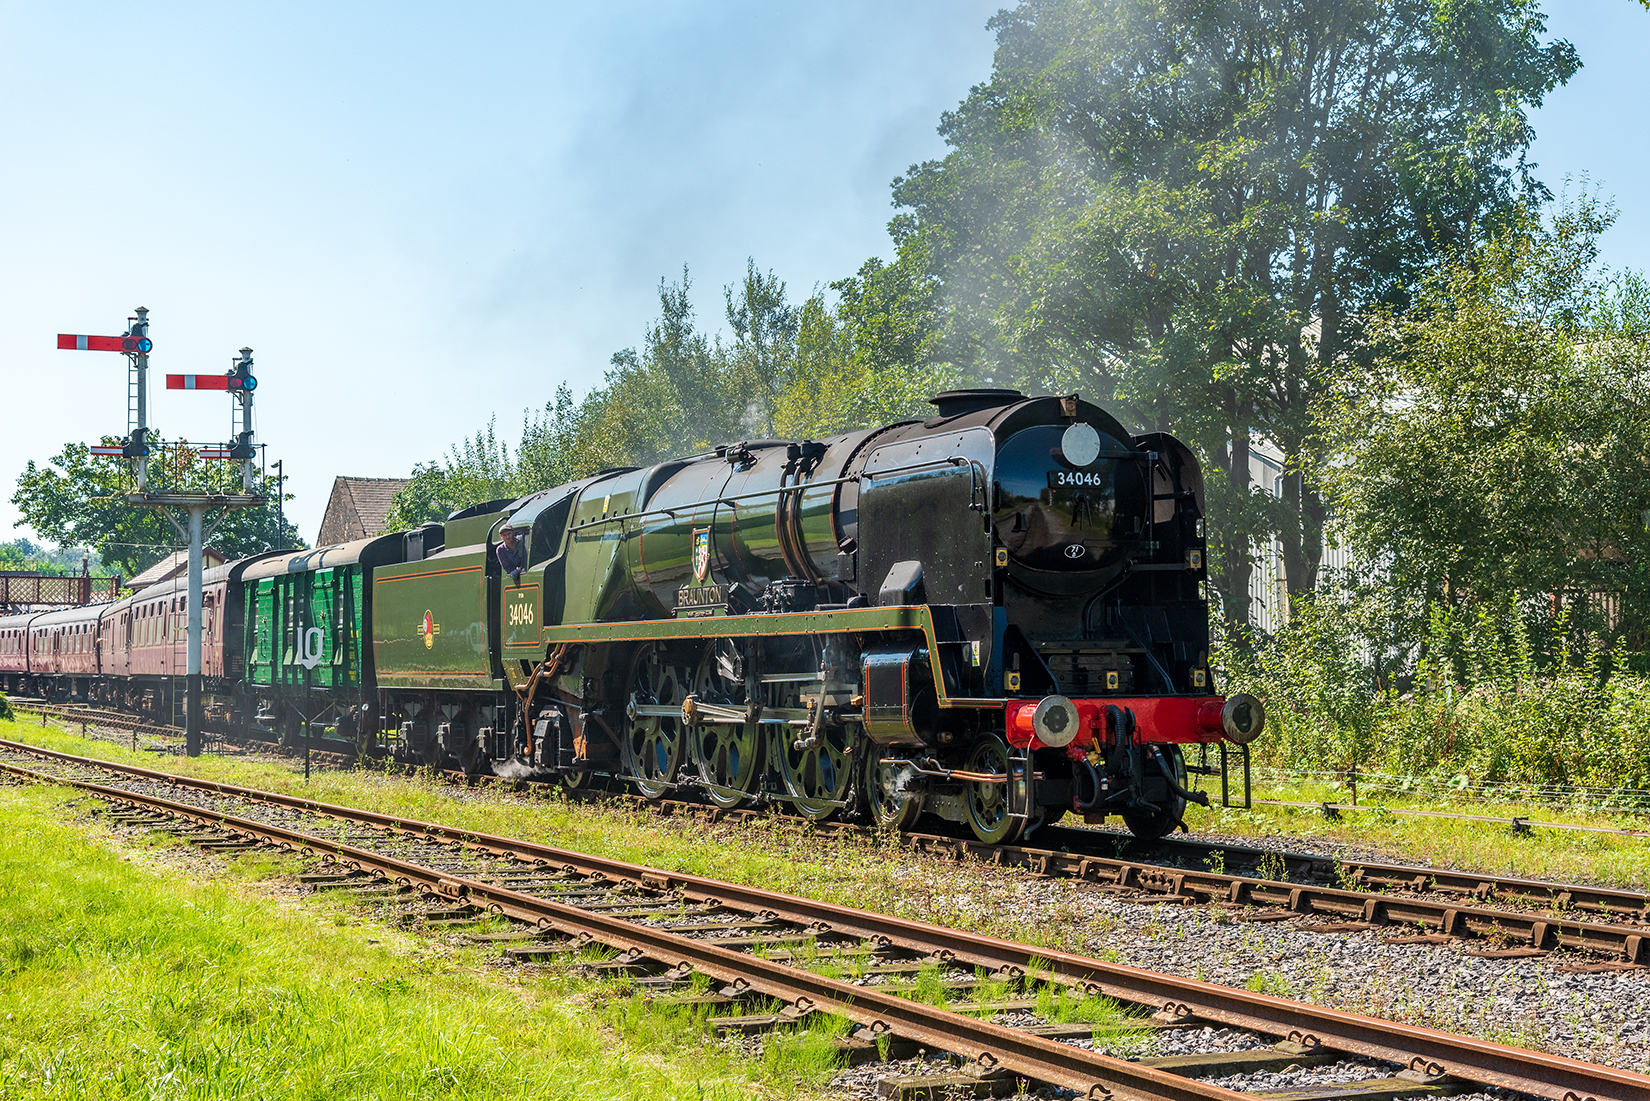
<point>136,345</point>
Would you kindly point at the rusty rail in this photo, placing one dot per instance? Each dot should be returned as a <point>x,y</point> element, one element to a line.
<point>1580,917</point>
<point>1423,1050</point>
<point>1088,1072</point>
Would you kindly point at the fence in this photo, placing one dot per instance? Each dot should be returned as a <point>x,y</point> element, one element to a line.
<point>24,589</point>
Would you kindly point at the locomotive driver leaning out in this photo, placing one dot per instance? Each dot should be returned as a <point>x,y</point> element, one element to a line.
<point>509,554</point>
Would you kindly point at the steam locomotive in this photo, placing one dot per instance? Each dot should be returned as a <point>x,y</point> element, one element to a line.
<point>995,616</point>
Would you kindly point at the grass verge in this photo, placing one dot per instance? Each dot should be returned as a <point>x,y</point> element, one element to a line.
<point>777,854</point>
<point>1567,855</point>
<point>120,978</point>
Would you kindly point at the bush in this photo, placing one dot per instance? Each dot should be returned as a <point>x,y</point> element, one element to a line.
<point>1470,703</point>
<point>5,707</point>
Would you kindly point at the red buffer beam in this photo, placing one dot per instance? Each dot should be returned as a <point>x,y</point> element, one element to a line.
<point>197,382</point>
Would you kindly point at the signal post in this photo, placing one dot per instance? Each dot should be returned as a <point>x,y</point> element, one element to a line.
<point>135,448</point>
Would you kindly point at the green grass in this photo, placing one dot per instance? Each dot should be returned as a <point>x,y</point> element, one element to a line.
<point>1568,855</point>
<point>782,855</point>
<point>790,857</point>
<point>122,978</point>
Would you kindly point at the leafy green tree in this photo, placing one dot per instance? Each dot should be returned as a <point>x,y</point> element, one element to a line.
<point>1185,206</point>
<point>763,355</point>
<point>552,450</point>
<point>28,556</point>
<point>683,392</point>
<point>81,499</point>
<point>866,360</point>
<point>680,394</point>
<point>1498,446</point>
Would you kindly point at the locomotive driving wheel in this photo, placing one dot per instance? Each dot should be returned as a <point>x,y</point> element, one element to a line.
<point>815,754</point>
<point>727,755</point>
<point>988,805</point>
<point>892,806</point>
<point>653,728</point>
<point>578,780</point>
<point>819,778</point>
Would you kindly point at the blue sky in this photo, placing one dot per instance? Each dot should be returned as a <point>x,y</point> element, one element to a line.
<point>421,216</point>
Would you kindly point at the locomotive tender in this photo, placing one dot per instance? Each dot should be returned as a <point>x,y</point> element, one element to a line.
<point>997,616</point>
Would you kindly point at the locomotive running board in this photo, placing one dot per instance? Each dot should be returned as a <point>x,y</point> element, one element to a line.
<point>905,617</point>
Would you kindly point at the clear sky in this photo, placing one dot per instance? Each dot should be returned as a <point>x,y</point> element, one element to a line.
<point>421,216</point>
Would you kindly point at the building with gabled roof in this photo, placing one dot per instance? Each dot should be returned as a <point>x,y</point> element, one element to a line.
<point>357,508</point>
<point>173,565</point>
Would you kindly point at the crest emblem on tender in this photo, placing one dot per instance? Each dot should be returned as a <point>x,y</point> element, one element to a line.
<point>429,629</point>
<point>701,554</point>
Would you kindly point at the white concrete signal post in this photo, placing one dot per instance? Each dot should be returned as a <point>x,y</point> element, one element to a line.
<point>135,448</point>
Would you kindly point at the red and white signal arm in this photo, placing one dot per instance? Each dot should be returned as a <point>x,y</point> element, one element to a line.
<point>80,342</point>
<point>196,382</point>
<point>110,451</point>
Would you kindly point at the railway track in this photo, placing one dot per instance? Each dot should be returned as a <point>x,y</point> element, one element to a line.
<point>1507,916</point>
<point>666,928</point>
<point>162,736</point>
<point>1513,916</point>
<point>96,716</point>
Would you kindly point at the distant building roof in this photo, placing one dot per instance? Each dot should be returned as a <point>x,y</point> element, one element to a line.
<point>173,565</point>
<point>357,509</point>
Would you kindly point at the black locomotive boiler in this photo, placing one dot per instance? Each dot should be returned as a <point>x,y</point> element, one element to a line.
<point>996,615</point>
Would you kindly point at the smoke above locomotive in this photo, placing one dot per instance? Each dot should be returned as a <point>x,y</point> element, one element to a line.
<point>996,616</point>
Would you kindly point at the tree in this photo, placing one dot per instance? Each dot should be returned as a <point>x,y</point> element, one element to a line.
<point>80,499</point>
<point>28,556</point>
<point>684,392</point>
<point>1497,449</point>
<point>764,348</point>
<point>681,394</point>
<point>866,360</point>
<point>1185,206</point>
<point>552,450</point>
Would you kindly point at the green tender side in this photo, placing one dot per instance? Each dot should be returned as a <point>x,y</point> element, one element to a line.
<point>307,617</point>
<point>432,622</point>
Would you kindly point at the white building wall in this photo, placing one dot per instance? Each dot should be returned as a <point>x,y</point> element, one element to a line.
<point>1269,581</point>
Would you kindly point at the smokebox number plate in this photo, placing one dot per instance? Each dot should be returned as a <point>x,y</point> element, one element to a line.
<point>1062,479</point>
